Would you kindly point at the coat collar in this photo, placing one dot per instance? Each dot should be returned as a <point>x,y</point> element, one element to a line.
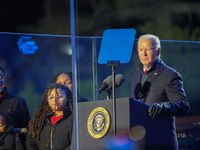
<point>66,112</point>
<point>158,65</point>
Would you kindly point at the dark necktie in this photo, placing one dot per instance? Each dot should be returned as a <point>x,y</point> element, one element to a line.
<point>144,77</point>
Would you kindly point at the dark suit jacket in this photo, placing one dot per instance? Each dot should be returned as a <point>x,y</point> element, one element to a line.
<point>165,86</point>
<point>20,117</point>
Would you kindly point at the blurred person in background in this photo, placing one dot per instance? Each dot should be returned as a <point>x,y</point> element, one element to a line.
<point>65,78</point>
<point>6,132</point>
<point>15,106</point>
<point>9,136</point>
<point>20,115</point>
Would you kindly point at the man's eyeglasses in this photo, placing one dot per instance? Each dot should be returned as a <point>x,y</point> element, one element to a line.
<point>57,98</point>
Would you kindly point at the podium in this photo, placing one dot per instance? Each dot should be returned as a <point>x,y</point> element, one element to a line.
<point>129,113</point>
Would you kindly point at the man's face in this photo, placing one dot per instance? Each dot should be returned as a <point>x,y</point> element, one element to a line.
<point>2,81</point>
<point>147,53</point>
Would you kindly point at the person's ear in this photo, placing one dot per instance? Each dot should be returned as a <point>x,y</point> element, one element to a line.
<point>159,50</point>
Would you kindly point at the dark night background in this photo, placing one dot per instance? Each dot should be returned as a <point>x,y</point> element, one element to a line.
<point>169,19</point>
<point>175,22</point>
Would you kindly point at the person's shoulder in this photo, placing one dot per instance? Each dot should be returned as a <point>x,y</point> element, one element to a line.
<point>13,96</point>
<point>137,73</point>
<point>171,71</point>
<point>68,115</point>
<point>67,112</point>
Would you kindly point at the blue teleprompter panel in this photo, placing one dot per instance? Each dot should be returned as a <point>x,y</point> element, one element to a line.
<point>116,45</point>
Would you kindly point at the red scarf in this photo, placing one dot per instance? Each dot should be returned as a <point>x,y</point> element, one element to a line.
<point>3,92</point>
<point>55,119</point>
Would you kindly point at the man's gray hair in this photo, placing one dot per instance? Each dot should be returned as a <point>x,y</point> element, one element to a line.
<point>155,39</point>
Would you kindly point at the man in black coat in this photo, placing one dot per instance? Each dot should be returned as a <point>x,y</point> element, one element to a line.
<point>158,86</point>
<point>13,105</point>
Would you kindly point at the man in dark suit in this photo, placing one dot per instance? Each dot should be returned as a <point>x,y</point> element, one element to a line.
<point>158,86</point>
<point>14,105</point>
<point>17,108</point>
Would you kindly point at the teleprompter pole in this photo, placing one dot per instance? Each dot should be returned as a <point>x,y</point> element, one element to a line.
<point>113,64</point>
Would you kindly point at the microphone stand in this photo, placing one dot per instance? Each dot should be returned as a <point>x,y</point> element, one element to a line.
<point>113,64</point>
<point>101,94</point>
<point>108,94</point>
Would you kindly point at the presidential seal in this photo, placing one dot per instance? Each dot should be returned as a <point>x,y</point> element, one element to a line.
<point>98,122</point>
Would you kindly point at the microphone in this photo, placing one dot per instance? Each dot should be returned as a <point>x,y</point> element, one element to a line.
<point>105,84</point>
<point>119,80</point>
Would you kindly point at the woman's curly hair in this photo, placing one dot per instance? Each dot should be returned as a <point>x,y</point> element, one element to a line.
<point>36,124</point>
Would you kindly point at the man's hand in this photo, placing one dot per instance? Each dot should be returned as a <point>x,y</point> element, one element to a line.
<point>155,109</point>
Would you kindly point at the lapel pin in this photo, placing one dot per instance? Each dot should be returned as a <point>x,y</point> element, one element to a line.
<point>156,73</point>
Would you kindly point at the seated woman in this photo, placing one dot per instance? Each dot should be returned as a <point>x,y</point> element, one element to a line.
<point>65,78</point>
<point>52,123</point>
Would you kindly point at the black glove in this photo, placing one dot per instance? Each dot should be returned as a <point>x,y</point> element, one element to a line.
<point>168,109</point>
<point>155,109</point>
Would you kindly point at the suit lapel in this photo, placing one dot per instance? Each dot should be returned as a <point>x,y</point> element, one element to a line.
<point>151,77</point>
<point>153,73</point>
<point>138,85</point>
